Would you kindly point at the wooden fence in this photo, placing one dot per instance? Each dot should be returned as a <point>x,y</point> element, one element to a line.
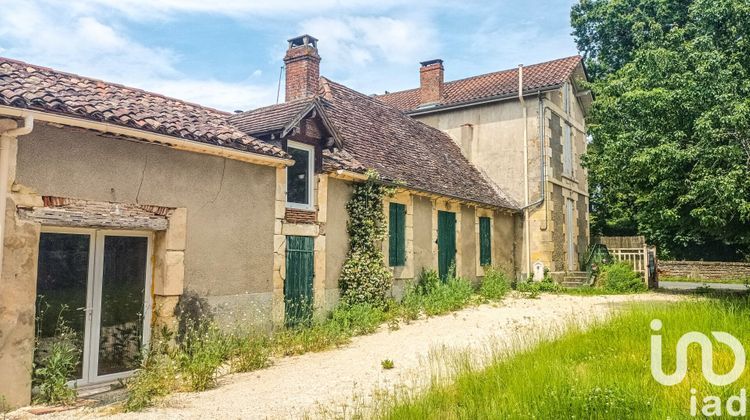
<point>634,250</point>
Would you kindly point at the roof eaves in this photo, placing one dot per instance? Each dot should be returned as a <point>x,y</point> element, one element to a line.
<point>480,101</point>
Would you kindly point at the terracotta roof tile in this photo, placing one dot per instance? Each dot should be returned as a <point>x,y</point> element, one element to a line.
<point>405,150</point>
<point>269,118</point>
<point>501,83</point>
<point>38,88</point>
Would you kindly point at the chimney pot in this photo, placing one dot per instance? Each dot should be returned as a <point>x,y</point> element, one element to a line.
<point>431,82</point>
<point>302,67</point>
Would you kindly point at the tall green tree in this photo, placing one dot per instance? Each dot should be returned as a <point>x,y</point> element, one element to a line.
<point>670,126</point>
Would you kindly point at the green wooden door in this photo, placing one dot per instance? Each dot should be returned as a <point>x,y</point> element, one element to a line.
<point>446,242</point>
<point>298,286</point>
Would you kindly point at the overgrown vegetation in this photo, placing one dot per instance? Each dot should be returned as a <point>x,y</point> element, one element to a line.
<point>194,358</point>
<point>364,276</point>
<point>431,296</point>
<point>532,288</point>
<point>602,372</point>
<point>57,358</point>
<point>495,284</point>
<point>726,280</point>
<point>619,277</point>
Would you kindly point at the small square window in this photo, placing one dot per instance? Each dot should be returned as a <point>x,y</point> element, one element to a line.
<point>299,176</point>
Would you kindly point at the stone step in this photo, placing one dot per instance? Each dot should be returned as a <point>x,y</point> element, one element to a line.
<point>573,284</point>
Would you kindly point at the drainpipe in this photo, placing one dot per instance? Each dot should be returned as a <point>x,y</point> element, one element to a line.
<point>5,140</point>
<point>526,227</point>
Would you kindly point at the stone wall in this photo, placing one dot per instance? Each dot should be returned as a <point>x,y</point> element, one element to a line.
<point>704,269</point>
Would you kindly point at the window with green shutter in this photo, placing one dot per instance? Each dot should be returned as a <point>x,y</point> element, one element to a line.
<point>397,234</point>
<point>485,242</point>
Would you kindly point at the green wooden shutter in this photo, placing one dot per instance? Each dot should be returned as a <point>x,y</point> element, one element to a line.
<point>485,242</point>
<point>446,243</point>
<point>298,285</point>
<point>396,234</point>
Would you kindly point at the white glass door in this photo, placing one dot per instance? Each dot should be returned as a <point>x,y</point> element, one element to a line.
<point>99,283</point>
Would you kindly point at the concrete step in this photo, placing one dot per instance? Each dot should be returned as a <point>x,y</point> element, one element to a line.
<point>575,279</point>
<point>573,284</point>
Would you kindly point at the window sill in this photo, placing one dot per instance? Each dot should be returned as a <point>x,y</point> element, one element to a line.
<point>301,207</point>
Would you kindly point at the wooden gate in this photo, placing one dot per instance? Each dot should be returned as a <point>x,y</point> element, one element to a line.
<point>298,286</point>
<point>446,242</point>
<point>635,251</point>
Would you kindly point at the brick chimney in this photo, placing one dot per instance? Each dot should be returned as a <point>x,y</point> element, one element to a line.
<point>302,67</point>
<point>430,82</point>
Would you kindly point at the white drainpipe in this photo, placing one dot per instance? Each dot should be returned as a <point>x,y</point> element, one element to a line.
<point>5,139</point>
<point>526,224</point>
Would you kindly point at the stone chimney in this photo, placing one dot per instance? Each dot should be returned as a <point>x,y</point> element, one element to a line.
<point>302,67</point>
<point>430,82</point>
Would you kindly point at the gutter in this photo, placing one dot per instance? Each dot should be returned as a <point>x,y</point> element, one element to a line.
<point>173,142</point>
<point>6,138</point>
<point>491,99</point>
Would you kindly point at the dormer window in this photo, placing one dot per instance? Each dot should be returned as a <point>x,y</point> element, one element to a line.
<point>299,177</point>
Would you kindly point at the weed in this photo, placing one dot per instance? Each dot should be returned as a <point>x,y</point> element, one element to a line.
<point>387,364</point>
<point>495,284</point>
<point>620,277</point>
<point>61,357</point>
<point>250,352</point>
<point>203,349</point>
<point>155,379</point>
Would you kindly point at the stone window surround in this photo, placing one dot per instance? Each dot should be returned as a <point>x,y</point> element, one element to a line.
<point>405,271</point>
<point>282,229</point>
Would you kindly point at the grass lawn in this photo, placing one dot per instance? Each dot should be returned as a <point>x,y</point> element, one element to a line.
<point>745,280</point>
<point>603,372</point>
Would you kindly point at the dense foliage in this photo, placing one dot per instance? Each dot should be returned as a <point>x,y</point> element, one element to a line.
<point>364,276</point>
<point>619,277</point>
<point>670,151</point>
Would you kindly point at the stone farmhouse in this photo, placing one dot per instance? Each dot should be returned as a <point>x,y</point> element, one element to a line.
<point>528,144</point>
<point>118,202</point>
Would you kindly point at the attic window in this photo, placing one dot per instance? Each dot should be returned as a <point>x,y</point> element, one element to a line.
<point>299,177</point>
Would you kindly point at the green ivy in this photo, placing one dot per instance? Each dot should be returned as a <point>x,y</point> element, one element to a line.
<point>364,276</point>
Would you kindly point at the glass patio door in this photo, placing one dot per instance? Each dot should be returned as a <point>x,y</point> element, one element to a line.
<point>96,284</point>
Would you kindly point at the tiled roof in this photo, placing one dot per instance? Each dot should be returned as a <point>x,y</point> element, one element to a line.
<point>269,118</point>
<point>402,149</point>
<point>38,88</point>
<point>502,83</point>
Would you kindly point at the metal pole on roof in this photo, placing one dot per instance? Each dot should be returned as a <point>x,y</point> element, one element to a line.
<point>278,89</point>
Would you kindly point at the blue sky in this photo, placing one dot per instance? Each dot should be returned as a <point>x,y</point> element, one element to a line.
<point>227,54</point>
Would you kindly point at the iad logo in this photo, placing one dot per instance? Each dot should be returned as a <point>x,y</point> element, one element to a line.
<point>736,405</point>
<point>707,354</point>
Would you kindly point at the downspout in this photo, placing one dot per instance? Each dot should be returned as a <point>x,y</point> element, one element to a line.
<point>5,140</point>
<point>526,224</point>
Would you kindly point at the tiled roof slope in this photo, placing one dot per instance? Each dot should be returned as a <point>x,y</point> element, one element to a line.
<point>269,118</point>
<point>497,84</point>
<point>38,88</point>
<point>402,149</point>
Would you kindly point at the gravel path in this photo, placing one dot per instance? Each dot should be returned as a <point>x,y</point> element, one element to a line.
<point>297,386</point>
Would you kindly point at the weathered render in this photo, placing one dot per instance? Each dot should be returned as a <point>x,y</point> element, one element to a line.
<point>519,145</point>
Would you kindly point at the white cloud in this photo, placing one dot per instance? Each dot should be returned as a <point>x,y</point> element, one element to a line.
<point>68,41</point>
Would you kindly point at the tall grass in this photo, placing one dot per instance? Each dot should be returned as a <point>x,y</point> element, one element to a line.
<point>602,372</point>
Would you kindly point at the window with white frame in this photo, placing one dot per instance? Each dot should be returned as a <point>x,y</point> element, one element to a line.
<point>299,177</point>
<point>567,150</point>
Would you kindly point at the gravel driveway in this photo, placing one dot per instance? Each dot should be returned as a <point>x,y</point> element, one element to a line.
<point>297,386</point>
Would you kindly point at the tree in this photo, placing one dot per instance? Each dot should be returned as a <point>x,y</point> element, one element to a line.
<point>671,122</point>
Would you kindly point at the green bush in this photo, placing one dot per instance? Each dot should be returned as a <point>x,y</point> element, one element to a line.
<point>357,319</point>
<point>620,277</point>
<point>434,297</point>
<point>532,288</point>
<point>495,284</point>
<point>364,277</point>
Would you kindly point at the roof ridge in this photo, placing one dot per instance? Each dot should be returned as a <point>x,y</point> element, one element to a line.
<point>490,73</point>
<point>118,85</point>
<point>267,107</point>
